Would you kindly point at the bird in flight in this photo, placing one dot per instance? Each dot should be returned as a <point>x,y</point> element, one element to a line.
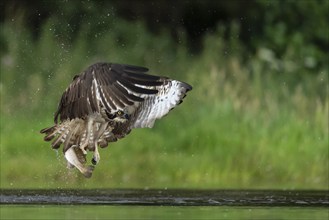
<point>103,104</point>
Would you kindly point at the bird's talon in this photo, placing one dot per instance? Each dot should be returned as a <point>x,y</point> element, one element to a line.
<point>83,151</point>
<point>93,161</point>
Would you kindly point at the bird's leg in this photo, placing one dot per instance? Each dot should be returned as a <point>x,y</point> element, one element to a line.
<point>83,146</point>
<point>100,132</point>
<point>89,132</point>
<point>96,156</point>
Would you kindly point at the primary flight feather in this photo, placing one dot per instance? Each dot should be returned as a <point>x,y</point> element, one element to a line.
<point>104,103</point>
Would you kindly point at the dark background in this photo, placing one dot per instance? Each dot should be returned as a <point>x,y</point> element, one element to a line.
<point>269,22</point>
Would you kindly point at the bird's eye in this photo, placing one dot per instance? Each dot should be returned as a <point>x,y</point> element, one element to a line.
<point>119,113</point>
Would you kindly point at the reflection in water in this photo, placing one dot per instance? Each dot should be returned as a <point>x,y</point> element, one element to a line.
<point>168,197</point>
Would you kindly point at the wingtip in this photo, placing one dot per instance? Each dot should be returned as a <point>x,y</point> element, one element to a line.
<point>187,86</point>
<point>47,130</point>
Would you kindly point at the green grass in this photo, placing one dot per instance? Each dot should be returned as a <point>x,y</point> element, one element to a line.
<point>245,124</point>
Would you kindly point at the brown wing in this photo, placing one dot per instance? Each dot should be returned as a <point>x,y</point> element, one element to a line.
<point>111,86</point>
<point>155,106</point>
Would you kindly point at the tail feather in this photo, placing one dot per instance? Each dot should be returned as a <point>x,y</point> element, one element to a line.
<point>71,137</point>
<point>60,139</point>
<point>50,132</point>
<point>60,133</point>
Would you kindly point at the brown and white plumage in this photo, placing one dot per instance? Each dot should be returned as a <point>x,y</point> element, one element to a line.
<point>104,103</point>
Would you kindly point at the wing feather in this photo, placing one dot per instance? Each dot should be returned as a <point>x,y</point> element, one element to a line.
<point>106,100</point>
<point>115,98</point>
<point>113,86</point>
<point>121,95</point>
<point>132,87</point>
<point>156,106</point>
<point>130,96</point>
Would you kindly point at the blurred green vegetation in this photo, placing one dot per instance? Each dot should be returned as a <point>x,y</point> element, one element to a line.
<point>254,119</point>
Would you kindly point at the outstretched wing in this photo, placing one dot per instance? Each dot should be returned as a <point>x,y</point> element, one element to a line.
<point>109,86</point>
<point>170,94</point>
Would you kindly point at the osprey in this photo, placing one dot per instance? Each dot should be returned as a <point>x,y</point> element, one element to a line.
<point>103,104</point>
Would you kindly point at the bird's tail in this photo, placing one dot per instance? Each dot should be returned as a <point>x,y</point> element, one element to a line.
<point>67,133</point>
<point>77,137</point>
<point>70,133</point>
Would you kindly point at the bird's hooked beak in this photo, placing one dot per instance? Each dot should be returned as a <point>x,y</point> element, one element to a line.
<point>126,116</point>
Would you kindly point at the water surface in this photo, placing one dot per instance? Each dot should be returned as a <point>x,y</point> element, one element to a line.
<point>163,204</point>
<point>177,197</point>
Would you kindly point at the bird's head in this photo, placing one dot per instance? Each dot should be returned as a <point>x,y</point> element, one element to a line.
<point>121,116</point>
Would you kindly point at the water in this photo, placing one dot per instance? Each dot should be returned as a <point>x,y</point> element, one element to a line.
<point>163,204</point>
<point>158,212</point>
